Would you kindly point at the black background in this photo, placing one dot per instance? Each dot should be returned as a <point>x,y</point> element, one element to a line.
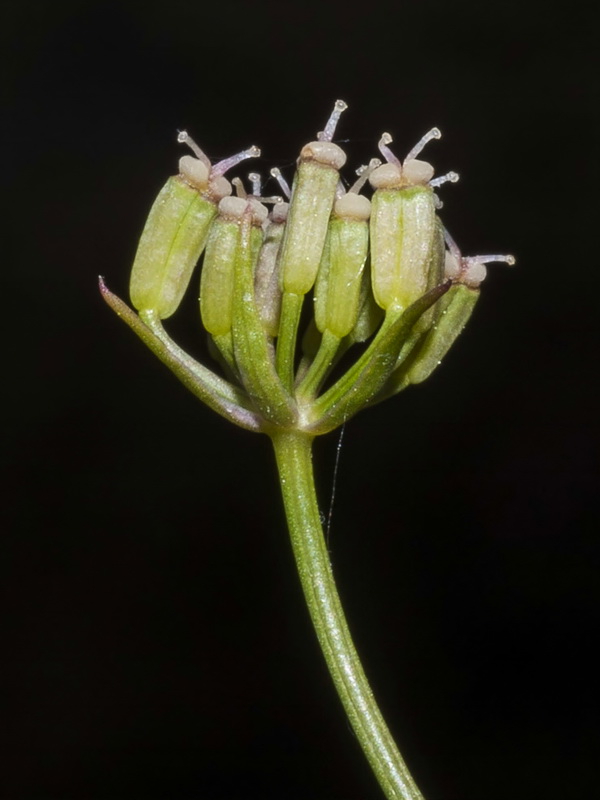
<point>158,646</point>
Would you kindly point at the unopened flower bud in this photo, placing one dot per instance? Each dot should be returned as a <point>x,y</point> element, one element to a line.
<point>218,269</point>
<point>402,228</point>
<point>176,231</point>
<point>456,308</point>
<point>339,280</point>
<point>403,225</point>
<point>313,195</point>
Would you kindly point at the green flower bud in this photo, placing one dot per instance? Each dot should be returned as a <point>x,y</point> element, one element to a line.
<point>313,195</point>
<point>435,275</point>
<point>403,226</point>
<point>171,243</point>
<point>339,280</point>
<point>216,278</point>
<point>218,268</point>
<point>456,308</point>
<point>176,231</point>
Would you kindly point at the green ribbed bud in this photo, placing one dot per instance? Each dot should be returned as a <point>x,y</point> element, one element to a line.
<point>171,244</point>
<point>217,276</point>
<point>177,228</point>
<point>435,276</point>
<point>313,195</point>
<point>456,308</point>
<point>312,199</point>
<point>339,280</point>
<point>403,223</point>
<point>217,282</point>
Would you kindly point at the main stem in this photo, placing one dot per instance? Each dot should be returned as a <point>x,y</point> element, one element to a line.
<point>293,452</point>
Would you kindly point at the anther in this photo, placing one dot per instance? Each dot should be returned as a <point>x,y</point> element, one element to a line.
<point>363,173</point>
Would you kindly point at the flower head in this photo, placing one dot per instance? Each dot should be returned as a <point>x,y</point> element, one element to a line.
<point>381,268</point>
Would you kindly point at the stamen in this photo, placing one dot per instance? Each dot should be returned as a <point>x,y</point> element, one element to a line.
<point>327,134</point>
<point>285,187</point>
<point>469,270</point>
<point>473,271</point>
<point>386,152</point>
<point>273,198</point>
<point>434,133</point>
<point>452,246</point>
<point>183,137</point>
<point>510,260</point>
<point>256,182</point>
<point>449,177</point>
<point>239,188</point>
<point>227,163</point>
<point>363,173</point>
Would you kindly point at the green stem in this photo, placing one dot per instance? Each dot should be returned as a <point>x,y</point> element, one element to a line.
<point>218,394</point>
<point>293,452</point>
<point>291,308</point>
<point>322,363</point>
<point>224,344</point>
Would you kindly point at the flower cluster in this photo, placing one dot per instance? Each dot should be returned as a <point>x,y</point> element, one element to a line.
<point>381,271</point>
